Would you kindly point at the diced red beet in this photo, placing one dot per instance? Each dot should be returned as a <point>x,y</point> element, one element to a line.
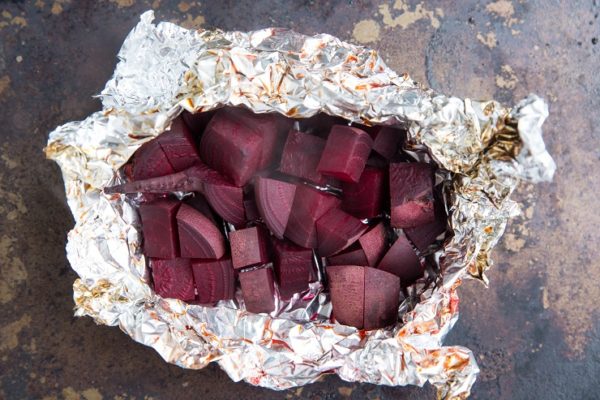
<point>402,261</point>
<point>198,202</point>
<point>227,200</point>
<point>274,202</point>
<point>198,235</point>
<point>159,228</point>
<point>320,124</point>
<point>214,280</point>
<point>336,230</point>
<point>249,247</point>
<point>424,235</point>
<point>258,290</point>
<point>309,205</point>
<point>411,194</point>
<point>345,154</point>
<point>347,291</point>
<point>354,255</point>
<point>150,161</point>
<point>364,199</point>
<point>293,267</point>
<point>301,155</point>
<point>386,141</point>
<point>197,122</point>
<point>377,161</point>
<point>173,279</point>
<point>178,145</point>
<point>382,299</point>
<point>374,244</point>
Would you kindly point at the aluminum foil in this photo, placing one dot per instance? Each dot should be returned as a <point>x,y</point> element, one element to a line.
<point>485,147</point>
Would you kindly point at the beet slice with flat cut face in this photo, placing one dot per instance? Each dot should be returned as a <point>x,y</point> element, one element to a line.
<point>365,198</point>
<point>159,228</point>
<point>150,161</point>
<point>173,279</point>
<point>294,268</point>
<point>178,145</point>
<point>346,153</point>
<point>309,205</point>
<point>386,141</point>
<point>215,280</point>
<point>249,247</point>
<point>411,193</point>
<point>347,291</point>
<point>354,255</point>
<point>198,235</point>
<point>274,202</point>
<point>423,236</point>
<point>258,290</point>
<point>374,244</point>
<point>197,122</point>
<point>336,230</point>
<point>382,299</point>
<point>402,261</point>
<point>301,155</point>
<point>199,203</point>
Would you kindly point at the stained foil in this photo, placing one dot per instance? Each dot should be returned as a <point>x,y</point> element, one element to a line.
<point>485,148</point>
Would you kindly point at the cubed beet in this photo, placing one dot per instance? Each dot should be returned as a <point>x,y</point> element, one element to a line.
<point>159,228</point>
<point>336,230</point>
<point>173,279</point>
<point>347,291</point>
<point>411,194</point>
<point>365,198</point>
<point>354,255</point>
<point>198,202</point>
<point>402,261</point>
<point>197,122</point>
<point>179,146</point>
<point>386,141</point>
<point>274,202</point>
<point>301,155</point>
<point>249,247</point>
<point>374,244</point>
<point>382,299</point>
<point>294,268</point>
<point>309,205</point>
<point>150,161</point>
<point>214,280</point>
<point>345,154</point>
<point>199,237</point>
<point>258,290</point>
<point>424,235</point>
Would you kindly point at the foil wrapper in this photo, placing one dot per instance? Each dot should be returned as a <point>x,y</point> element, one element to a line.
<point>483,148</point>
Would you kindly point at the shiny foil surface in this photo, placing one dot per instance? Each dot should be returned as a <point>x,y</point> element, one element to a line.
<point>484,149</point>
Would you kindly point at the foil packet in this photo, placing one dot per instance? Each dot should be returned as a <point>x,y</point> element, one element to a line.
<point>484,149</point>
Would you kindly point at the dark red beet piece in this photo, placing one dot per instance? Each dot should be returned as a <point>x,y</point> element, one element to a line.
<point>347,291</point>
<point>293,267</point>
<point>197,122</point>
<point>402,261</point>
<point>250,208</point>
<point>382,298</point>
<point>199,203</point>
<point>159,228</point>
<point>309,205</point>
<point>301,155</point>
<point>274,202</point>
<point>374,244</point>
<point>258,290</point>
<point>214,279</point>
<point>173,279</point>
<point>345,154</point>
<point>424,235</point>
<point>364,199</point>
<point>336,230</point>
<point>411,194</point>
<point>198,235</point>
<point>249,247</point>
<point>354,255</point>
<point>150,161</point>
<point>178,145</point>
<point>386,141</point>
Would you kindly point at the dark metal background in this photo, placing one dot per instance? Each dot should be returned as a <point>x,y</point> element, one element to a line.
<point>534,331</point>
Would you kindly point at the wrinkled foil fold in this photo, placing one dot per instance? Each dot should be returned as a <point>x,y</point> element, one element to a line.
<point>485,148</point>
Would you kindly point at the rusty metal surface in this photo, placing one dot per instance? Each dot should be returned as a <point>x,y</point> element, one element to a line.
<point>535,331</point>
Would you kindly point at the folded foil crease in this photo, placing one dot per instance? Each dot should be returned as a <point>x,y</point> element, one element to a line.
<point>163,69</point>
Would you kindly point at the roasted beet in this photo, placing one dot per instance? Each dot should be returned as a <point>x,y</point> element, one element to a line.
<point>382,299</point>
<point>198,235</point>
<point>411,194</point>
<point>249,247</point>
<point>402,261</point>
<point>354,255</point>
<point>345,154</point>
<point>199,203</point>
<point>294,268</point>
<point>301,155</point>
<point>214,280</point>
<point>424,235</point>
<point>364,199</point>
<point>258,290</point>
<point>150,161</point>
<point>250,207</point>
<point>337,230</point>
<point>178,145</point>
<point>197,122</point>
<point>374,244</point>
<point>173,279</point>
<point>159,228</point>
<point>386,141</point>
<point>274,202</point>
<point>347,291</point>
<point>309,205</point>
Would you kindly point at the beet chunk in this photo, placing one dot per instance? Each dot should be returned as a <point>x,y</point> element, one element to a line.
<point>386,141</point>
<point>347,291</point>
<point>178,145</point>
<point>411,193</point>
<point>337,230</point>
<point>354,255</point>
<point>308,206</point>
<point>301,155</point>
<point>345,154</point>
<point>159,228</point>
<point>258,290</point>
<point>293,268</point>
<point>250,207</point>
<point>424,235</point>
<point>382,299</point>
<point>173,279</point>
<point>198,235</point>
<point>214,279</point>
<point>274,202</point>
<point>402,261</point>
<point>249,247</point>
<point>374,244</point>
<point>197,122</point>
<point>364,198</point>
<point>150,161</point>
